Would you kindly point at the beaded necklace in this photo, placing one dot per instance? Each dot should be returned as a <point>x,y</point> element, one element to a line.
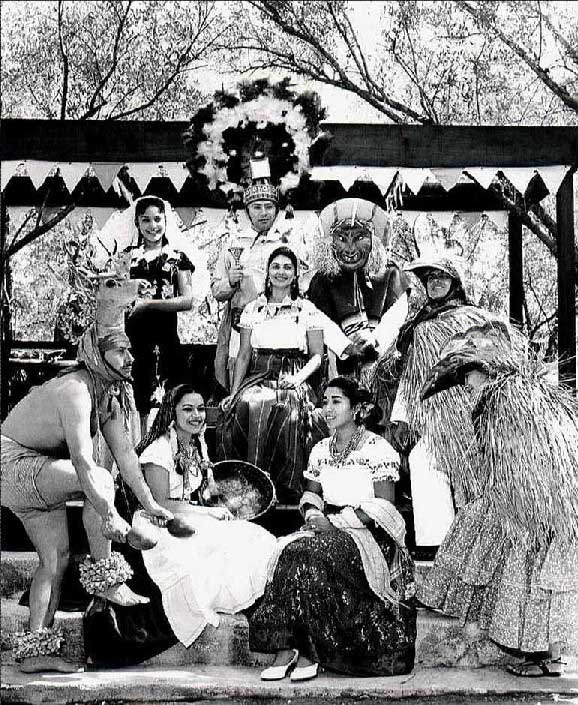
<point>339,456</point>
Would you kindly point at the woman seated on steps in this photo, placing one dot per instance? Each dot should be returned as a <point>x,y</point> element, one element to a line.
<point>270,418</point>
<point>220,568</point>
<point>341,594</point>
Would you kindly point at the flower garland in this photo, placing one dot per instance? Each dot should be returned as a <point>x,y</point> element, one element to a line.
<point>97,577</point>
<point>263,111</point>
<point>41,642</point>
<point>259,119</point>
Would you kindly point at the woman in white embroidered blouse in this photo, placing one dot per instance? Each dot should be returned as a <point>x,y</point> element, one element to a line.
<point>221,568</point>
<point>340,593</point>
<point>270,418</point>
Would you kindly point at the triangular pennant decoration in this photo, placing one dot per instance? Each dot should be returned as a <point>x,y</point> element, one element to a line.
<point>177,173</point>
<point>50,212</point>
<point>382,177</point>
<point>519,176</point>
<point>101,216</point>
<point>142,173</point>
<point>187,214</point>
<point>552,176</point>
<point>71,173</point>
<point>38,171</point>
<point>447,177</point>
<point>106,173</point>
<point>469,218</point>
<point>7,171</point>
<point>414,178</point>
<point>484,175</point>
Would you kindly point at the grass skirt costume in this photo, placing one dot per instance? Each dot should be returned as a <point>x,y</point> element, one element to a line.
<point>510,559</point>
<point>270,427</point>
<point>343,598</point>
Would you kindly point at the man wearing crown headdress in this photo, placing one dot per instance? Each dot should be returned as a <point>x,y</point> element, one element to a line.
<point>47,459</point>
<point>355,284</point>
<point>434,435</point>
<point>239,275</point>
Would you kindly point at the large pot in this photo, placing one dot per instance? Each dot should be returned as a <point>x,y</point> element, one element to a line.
<point>243,488</point>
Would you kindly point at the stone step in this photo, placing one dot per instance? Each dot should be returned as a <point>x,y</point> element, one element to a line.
<point>440,642</point>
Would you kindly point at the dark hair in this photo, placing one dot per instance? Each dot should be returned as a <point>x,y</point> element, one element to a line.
<point>141,207</point>
<point>285,252</point>
<point>145,202</point>
<point>367,412</point>
<point>166,414</point>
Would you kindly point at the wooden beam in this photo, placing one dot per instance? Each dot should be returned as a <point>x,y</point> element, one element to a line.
<point>369,145</point>
<point>516,268</point>
<point>449,146</point>
<point>566,279</point>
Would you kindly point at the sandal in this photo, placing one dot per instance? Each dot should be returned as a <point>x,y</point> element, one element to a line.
<point>538,669</point>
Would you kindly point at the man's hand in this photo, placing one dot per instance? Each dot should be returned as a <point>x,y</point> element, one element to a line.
<point>235,274</point>
<point>114,527</point>
<point>289,382</point>
<point>159,515</point>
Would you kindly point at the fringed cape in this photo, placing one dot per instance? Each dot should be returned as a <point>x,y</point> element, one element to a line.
<point>527,430</point>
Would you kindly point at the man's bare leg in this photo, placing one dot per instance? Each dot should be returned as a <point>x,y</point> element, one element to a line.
<point>48,532</point>
<point>57,482</point>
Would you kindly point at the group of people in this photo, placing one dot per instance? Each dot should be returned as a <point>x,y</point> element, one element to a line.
<point>332,387</point>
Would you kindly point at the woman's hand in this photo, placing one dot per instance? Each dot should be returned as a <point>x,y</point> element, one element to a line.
<point>221,513</point>
<point>318,524</point>
<point>227,403</point>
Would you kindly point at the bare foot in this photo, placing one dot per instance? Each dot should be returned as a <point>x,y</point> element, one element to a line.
<point>36,664</point>
<point>122,595</point>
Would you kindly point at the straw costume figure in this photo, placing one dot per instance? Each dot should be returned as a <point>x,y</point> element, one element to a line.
<point>510,559</point>
<point>434,434</point>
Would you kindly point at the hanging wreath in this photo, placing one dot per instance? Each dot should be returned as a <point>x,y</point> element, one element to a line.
<point>264,121</point>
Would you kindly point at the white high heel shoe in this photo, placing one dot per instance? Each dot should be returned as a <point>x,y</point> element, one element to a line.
<point>305,673</point>
<point>277,673</point>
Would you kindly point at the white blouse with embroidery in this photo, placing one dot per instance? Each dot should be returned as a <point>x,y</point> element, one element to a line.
<point>351,482</point>
<point>162,452</point>
<point>282,325</point>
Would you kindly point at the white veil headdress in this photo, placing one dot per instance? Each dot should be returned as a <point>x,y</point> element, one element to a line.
<point>121,233</point>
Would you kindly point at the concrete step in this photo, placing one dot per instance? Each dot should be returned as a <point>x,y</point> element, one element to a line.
<point>225,684</point>
<point>440,642</point>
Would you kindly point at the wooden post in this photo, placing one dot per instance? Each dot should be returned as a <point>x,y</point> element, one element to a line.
<point>5,313</point>
<point>516,268</point>
<point>566,282</point>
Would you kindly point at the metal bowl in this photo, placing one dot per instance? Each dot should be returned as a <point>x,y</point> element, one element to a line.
<point>243,488</point>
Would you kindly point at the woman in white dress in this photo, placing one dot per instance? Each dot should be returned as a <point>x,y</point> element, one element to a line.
<point>270,418</point>
<point>191,578</point>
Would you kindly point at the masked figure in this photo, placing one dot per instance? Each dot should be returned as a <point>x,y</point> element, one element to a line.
<point>355,285</point>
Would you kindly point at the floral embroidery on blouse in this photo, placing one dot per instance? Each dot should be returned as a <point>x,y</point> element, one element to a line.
<point>375,453</point>
<point>160,270</point>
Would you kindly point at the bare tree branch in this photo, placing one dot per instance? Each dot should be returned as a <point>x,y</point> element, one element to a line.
<point>530,61</point>
<point>65,65</point>
<point>36,233</point>
<point>93,108</point>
